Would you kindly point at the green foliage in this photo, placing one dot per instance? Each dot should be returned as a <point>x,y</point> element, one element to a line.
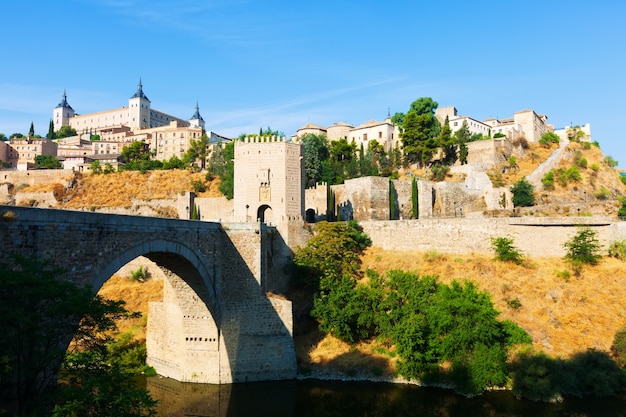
<point>420,130</point>
<point>548,138</point>
<point>414,198</point>
<point>38,315</point>
<point>439,172</point>
<point>136,152</point>
<point>499,135</point>
<point>227,172</point>
<point>108,169</point>
<point>47,162</point>
<point>505,250</point>
<point>610,161</point>
<point>617,249</point>
<point>538,377</point>
<point>393,202</point>
<point>95,167</point>
<point>141,274</point>
<point>198,186</point>
<point>622,210</point>
<point>582,162</point>
<point>583,247</point>
<point>603,193</point>
<point>595,167</point>
<point>316,151</point>
<point>523,193</point>
<point>618,348</point>
<point>196,154</point>
<point>65,132</point>
<point>333,251</point>
<point>548,180</point>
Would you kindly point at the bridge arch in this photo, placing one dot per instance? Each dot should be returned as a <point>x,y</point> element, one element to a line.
<point>174,256</point>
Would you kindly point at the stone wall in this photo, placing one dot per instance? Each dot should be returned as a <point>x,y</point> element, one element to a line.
<point>534,236</point>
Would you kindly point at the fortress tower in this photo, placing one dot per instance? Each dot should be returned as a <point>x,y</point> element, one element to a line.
<point>269,181</point>
<point>62,113</point>
<point>139,109</point>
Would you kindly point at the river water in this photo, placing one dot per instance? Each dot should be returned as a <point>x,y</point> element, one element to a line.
<point>351,399</point>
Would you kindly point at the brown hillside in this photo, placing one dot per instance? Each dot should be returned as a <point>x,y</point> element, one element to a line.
<point>564,314</point>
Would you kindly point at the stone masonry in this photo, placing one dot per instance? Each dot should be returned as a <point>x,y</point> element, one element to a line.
<point>215,324</point>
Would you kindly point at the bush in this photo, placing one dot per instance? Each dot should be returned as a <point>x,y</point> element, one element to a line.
<point>548,138</point>
<point>548,180</point>
<point>505,250</point>
<point>583,247</point>
<point>439,172</point>
<point>617,249</point>
<point>198,186</point>
<point>523,193</point>
<point>610,161</point>
<point>618,348</point>
<point>141,274</point>
<point>602,194</point>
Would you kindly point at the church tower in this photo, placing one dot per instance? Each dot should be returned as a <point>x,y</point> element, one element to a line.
<point>139,109</point>
<point>196,120</point>
<point>62,113</point>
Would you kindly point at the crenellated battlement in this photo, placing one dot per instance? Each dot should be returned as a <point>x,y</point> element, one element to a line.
<point>263,139</point>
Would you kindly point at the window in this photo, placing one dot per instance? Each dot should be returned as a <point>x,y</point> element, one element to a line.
<point>364,136</point>
<point>380,135</point>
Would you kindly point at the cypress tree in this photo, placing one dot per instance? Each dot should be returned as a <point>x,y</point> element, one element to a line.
<point>414,200</point>
<point>51,134</point>
<point>392,201</point>
<point>31,131</point>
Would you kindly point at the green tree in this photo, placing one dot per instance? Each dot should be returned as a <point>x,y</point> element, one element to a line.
<point>448,144</point>
<point>197,152</point>
<point>47,162</point>
<point>505,250</point>
<point>583,247</point>
<point>31,130</point>
<point>95,167</point>
<point>38,315</point>
<point>420,131</point>
<point>523,193</point>
<point>315,153</point>
<point>548,138</point>
<point>414,198</point>
<point>65,132</point>
<point>227,175</point>
<point>135,152</point>
<point>51,134</point>
<point>461,137</point>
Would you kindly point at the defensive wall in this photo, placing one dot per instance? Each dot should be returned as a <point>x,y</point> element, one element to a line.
<point>215,324</point>
<point>534,236</point>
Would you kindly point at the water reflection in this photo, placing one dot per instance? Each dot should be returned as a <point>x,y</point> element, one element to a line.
<point>322,399</point>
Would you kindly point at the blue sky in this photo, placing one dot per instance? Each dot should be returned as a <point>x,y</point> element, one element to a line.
<point>282,64</point>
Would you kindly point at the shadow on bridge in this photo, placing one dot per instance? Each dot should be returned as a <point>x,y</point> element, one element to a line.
<point>215,324</point>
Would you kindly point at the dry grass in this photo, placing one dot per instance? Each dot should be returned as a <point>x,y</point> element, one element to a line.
<point>120,188</point>
<point>137,295</point>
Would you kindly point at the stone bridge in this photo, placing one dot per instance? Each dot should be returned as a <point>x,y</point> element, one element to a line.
<point>215,323</point>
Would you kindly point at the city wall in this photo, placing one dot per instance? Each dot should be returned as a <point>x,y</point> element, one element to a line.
<point>537,237</point>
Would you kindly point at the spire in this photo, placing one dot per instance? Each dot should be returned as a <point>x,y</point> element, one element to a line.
<point>139,93</point>
<point>196,115</point>
<point>63,104</point>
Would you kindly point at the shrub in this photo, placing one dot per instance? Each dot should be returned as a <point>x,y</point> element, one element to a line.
<point>583,247</point>
<point>505,250</point>
<point>582,162</point>
<point>602,194</point>
<point>141,274</point>
<point>617,249</point>
<point>548,138</point>
<point>548,180</point>
<point>595,167</point>
<point>618,348</point>
<point>610,161</point>
<point>198,186</point>
<point>439,172</point>
<point>523,193</point>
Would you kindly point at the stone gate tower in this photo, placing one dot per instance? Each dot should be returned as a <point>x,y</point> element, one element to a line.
<point>269,181</point>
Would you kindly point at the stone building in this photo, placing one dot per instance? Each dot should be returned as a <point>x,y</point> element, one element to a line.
<point>22,151</point>
<point>166,135</point>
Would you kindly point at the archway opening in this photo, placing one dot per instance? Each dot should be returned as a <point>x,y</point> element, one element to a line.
<point>264,214</point>
<point>310,215</point>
